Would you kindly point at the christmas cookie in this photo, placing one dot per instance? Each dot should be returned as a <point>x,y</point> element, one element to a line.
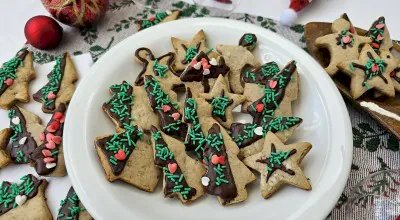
<point>370,71</point>
<point>128,156</point>
<point>249,41</point>
<point>186,50</point>
<point>23,199</point>
<point>202,72</point>
<point>48,158</point>
<point>20,140</point>
<point>236,57</point>
<point>159,17</point>
<point>182,174</point>
<point>379,34</point>
<point>60,87</point>
<point>279,164</point>
<point>15,76</point>
<point>170,119</point>
<point>222,102</point>
<point>343,44</point>
<point>72,208</point>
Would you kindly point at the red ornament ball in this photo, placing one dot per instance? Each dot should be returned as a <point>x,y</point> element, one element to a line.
<point>77,13</point>
<point>43,32</point>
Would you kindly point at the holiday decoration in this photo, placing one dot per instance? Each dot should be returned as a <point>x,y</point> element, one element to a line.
<point>77,13</point>
<point>43,32</point>
<point>289,16</point>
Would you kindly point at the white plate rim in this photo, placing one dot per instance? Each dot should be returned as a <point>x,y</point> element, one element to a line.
<point>329,198</point>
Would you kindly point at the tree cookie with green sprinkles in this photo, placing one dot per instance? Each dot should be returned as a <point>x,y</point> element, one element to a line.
<point>222,102</point>
<point>380,36</point>
<point>21,138</point>
<point>186,50</point>
<point>25,199</point>
<point>128,156</point>
<point>72,208</point>
<point>279,164</point>
<point>370,71</point>
<point>60,86</point>
<point>159,17</point>
<point>182,173</point>
<point>15,76</point>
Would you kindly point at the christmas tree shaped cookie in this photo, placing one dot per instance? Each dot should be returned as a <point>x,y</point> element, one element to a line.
<point>20,140</point>
<point>279,164</point>
<point>342,44</point>
<point>169,117</point>
<point>236,57</point>
<point>379,34</point>
<point>15,76</point>
<point>186,50</point>
<point>48,158</point>
<point>370,71</point>
<point>72,208</point>
<point>60,87</point>
<point>181,173</point>
<point>222,102</point>
<point>27,198</point>
<point>159,17</point>
<point>201,73</point>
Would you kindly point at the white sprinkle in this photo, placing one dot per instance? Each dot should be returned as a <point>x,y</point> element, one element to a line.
<point>168,12</point>
<point>197,66</point>
<point>374,107</point>
<point>213,61</point>
<point>50,165</point>
<point>20,199</point>
<point>258,131</point>
<point>206,72</point>
<point>22,140</point>
<point>15,120</point>
<point>205,180</point>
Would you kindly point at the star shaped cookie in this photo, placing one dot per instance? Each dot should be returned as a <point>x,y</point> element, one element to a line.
<point>342,44</point>
<point>370,71</point>
<point>222,102</point>
<point>279,164</point>
<point>379,34</point>
<point>159,17</point>
<point>15,76</point>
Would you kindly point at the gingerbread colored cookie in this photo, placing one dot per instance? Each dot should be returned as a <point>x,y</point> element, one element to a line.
<point>279,164</point>
<point>15,76</point>
<point>128,156</point>
<point>342,44</point>
<point>370,71</point>
<point>181,173</point>
<point>20,140</point>
<point>48,158</point>
<point>24,200</point>
<point>72,208</point>
<point>60,86</point>
<point>380,36</point>
<point>222,102</point>
<point>159,17</point>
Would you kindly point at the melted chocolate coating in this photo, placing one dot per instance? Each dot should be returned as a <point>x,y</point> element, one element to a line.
<point>249,45</point>
<point>223,117</point>
<point>21,54</point>
<point>237,129</point>
<point>64,211</point>
<point>259,77</point>
<point>107,107</point>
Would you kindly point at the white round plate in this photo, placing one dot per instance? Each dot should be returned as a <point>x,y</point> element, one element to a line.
<point>326,125</point>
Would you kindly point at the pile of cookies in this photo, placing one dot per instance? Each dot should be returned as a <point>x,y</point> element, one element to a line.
<point>27,141</point>
<point>195,143</point>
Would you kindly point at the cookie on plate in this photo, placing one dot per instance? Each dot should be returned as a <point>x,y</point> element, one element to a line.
<point>279,164</point>
<point>60,86</point>
<point>23,199</point>
<point>21,139</point>
<point>15,77</point>
<point>72,208</point>
<point>159,17</point>
<point>48,158</point>
<point>182,173</point>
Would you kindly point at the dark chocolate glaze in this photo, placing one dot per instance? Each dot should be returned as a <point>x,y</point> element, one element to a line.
<point>36,184</point>
<point>169,185</point>
<point>185,48</point>
<point>21,54</point>
<point>37,155</point>
<point>165,117</point>
<point>277,167</point>
<point>190,74</point>
<point>14,147</point>
<point>223,117</point>
<point>226,191</point>
<point>107,107</point>
<point>370,33</point>
<point>237,129</point>
<point>364,68</point>
<point>248,45</point>
<point>259,77</point>
<point>150,56</point>
<point>394,76</point>
<point>71,201</point>
<point>38,95</point>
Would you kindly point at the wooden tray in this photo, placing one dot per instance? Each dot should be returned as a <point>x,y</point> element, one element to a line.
<point>314,30</point>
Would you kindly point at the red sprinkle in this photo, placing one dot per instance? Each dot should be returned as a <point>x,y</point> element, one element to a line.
<point>48,160</point>
<point>57,139</point>
<point>352,30</point>
<point>176,116</point>
<point>375,45</point>
<point>120,155</point>
<point>151,19</point>
<point>54,126</point>
<point>46,153</point>
<point>49,137</point>
<point>172,167</point>
<point>42,137</point>
<point>346,39</point>
<point>166,108</point>
<point>259,107</point>
<point>375,68</point>
<point>215,159</point>
<point>379,37</point>
<point>51,95</point>
<point>58,115</point>
<point>50,145</point>
<point>9,81</point>
<point>221,160</point>
<point>272,84</point>
<point>380,26</point>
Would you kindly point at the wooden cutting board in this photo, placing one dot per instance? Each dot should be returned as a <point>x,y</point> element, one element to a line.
<point>314,30</point>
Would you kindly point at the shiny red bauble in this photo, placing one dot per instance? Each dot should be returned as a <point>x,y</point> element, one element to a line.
<point>77,13</point>
<point>43,32</point>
